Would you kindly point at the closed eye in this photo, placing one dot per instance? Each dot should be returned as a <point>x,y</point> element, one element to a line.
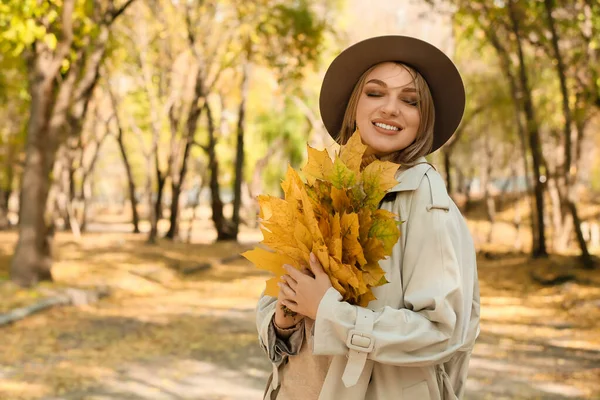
<point>411,102</point>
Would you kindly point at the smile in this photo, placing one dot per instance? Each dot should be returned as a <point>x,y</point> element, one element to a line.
<point>386,126</point>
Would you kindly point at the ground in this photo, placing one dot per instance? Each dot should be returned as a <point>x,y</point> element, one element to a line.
<point>162,334</point>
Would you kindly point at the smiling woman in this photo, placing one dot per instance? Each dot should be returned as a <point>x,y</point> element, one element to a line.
<point>414,341</point>
<point>391,96</point>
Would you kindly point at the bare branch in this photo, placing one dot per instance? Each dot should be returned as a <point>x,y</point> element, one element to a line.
<point>115,13</point>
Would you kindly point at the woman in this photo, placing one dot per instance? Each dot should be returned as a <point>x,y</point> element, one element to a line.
<point>406,99</point>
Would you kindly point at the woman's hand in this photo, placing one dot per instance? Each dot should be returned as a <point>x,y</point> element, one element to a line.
<point>282,319</point>
<point>303,293</point>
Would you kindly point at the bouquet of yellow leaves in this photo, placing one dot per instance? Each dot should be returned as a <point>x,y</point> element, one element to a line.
<point>335,215</point>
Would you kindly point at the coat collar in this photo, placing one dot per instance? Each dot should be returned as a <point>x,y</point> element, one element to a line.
<point>409,179</point>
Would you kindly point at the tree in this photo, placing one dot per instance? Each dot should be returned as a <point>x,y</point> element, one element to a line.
<point>126,163</point>
<point>286,38</point>
<point>63,43</point>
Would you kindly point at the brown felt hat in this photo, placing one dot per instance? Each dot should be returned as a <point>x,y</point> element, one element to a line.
<point>437,69</point>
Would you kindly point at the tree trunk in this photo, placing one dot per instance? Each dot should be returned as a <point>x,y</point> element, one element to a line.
<point>490,206</point>
<point>556,215</point>
<point>567,177</point>
<point>32,260</point>
<point>506,63</point>
<point>4,221</point>
<point>195,203</point>
<point>126,164</point>
<point>539,249</point>
<point>156,206</point>
<point>239,160</point>
<point>223,227</point>
<point>177,181</point>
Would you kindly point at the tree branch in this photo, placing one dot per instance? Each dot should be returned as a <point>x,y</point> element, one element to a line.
<point>66,40</point>
<point>115,13</point>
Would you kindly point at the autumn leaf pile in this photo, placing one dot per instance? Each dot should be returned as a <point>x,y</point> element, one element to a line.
<point>335,215</point>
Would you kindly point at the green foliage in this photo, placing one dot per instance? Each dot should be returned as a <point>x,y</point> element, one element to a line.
<point>286,36</point>
<point>286,124</point>
<point>20,26</point>
<point>24,22</point>
<point>294,37</point>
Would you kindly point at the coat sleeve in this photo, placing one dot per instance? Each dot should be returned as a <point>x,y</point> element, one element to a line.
<point>430,328</point>
<point>275,346</point>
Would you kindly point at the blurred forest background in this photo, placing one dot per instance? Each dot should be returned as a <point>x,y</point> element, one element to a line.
<point>136,134</point>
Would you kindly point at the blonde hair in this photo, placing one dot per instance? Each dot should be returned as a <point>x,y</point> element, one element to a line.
<point>424,139</point>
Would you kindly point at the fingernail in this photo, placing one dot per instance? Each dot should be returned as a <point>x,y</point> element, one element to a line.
<point>313,258</point>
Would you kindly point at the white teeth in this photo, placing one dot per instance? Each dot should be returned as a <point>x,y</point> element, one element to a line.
<point>386,126</point>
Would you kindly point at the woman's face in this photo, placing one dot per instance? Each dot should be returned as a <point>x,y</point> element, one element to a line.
<point>387,113</point>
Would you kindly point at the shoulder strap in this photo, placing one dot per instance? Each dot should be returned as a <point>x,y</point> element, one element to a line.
<point>439,196</point>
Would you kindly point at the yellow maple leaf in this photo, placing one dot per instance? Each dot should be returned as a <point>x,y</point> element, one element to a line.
<point>292,184</point>
<point>273,208</point>
<point>351,154</point>
<point>336,284</point>
<point>318,166</point>
<point>373,250</point>
<point>272,262</point>
<point>322,253</point>
<point>343,272</point>
<point>377,178</point>
<point>366,298</point>
<point>364,222</point>
<point>340,200</point>
<point>349,231</point>
<point>304,239</point>
<point>385,228</point>
<point>341,176</point>
<point>372,273</point>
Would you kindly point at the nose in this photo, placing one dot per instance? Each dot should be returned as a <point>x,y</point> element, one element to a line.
<point>391,107</point>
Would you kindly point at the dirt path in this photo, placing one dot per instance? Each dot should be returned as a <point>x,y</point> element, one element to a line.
<point>195,339</point>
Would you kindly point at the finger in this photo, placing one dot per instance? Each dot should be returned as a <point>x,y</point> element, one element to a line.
<point>290,281</point>
<point>315,265</point>
<point>286,290</point>
<point>290,304</point>
<point>293,272</point>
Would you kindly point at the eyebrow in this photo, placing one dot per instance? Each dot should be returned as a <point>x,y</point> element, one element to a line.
<point>382,83</point>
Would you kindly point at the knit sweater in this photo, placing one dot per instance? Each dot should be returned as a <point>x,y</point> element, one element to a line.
<point>303,375</point>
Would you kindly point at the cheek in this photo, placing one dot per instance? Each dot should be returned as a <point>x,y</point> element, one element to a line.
<point>415,118</point>
<point>360,109</point>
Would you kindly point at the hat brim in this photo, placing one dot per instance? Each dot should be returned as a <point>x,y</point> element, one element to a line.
<point>442,76</point>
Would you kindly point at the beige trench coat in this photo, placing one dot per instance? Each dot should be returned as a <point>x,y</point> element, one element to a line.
<point>414,342</point>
